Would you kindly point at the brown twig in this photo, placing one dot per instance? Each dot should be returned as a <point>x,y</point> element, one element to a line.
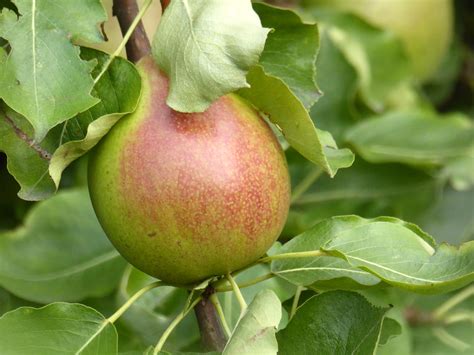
<point>212,333</point>
<point>138,45</point>
<point>416,317</point>
<point>164,4</point>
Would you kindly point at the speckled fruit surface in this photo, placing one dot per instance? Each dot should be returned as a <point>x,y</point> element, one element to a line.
<point>187,196</point>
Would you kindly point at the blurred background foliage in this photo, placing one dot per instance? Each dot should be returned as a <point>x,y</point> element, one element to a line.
<point>418,166</point>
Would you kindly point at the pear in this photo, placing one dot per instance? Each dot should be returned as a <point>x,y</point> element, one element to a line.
<point>187,196</point>
<point>425,27</point>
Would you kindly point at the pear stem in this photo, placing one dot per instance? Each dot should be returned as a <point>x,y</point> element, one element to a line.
<point>213,336</point>
<point>138,45</point>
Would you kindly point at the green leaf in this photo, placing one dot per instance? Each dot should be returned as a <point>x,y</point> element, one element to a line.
<point>460,172</point>
<point>272,96</point>
<point>28,161</point>
<point>401,254</point>
<point>9,302</point>
<point>390,328</point>
<point>397,252</point>
<point>206,47</point>
<point>119,90</point>
<point>290,51</point>
<point>38,166</point>
<point>397,337</point>
<point>336,322</point>
<point>285,93</point>
<point>334,111</point>
<point>283,289</point>
<point>320,272</point>
<point>365,189</point>
<point>59,328</point>
<point>60,253</point>
<point>370,51</point>
<point>451,218</point>
<point>43,77</point>
<point>255,332</point>
<point>413,137</point>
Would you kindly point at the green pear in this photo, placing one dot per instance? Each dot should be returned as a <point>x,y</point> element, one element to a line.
<point>186,196</point>
<point>425,27</point>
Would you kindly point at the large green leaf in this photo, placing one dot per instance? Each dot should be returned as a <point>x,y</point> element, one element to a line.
<point>335,322</point>
<point>414,137</point>
<point>38,166</point>
<point>43,76</point>
<point>255,331</point>
<point>272,96</point>
<point>291,41</point>
<point>321,272</point>
<point>397,252</point>
<point>206,47</point>
<point>285,93</point>
<point>402,255</point>
<point>60,253</point>
<point>58,328</point>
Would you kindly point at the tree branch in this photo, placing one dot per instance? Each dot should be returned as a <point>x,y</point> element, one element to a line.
<point>212,333</point>
<point>164,4</point>
<point>138,45</point>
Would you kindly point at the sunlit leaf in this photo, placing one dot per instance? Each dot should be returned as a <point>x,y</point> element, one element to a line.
<point>272,96</point>
<point>43,77</point>
<point>255,331</point>
<point>206,47</point>
<point>290,51</point>
<point>38,166</point>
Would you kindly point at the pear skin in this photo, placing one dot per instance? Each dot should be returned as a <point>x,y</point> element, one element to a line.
<point>186,196</point>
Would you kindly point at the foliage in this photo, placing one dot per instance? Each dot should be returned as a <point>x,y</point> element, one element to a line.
<point>371,151</point>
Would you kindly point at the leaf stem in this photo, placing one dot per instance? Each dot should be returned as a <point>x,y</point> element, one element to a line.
<point>133,299</point>
<point>222,287</point>
<point>439,312</point>
<point>215,301</point>
<point>300,254</point>
<point>125,39</point>
<point>459,317</point>
<point>173,325</point>
<point>238,294</point>
<point>296,299</point>
<point>306,183</point>
<point>450,340</point>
